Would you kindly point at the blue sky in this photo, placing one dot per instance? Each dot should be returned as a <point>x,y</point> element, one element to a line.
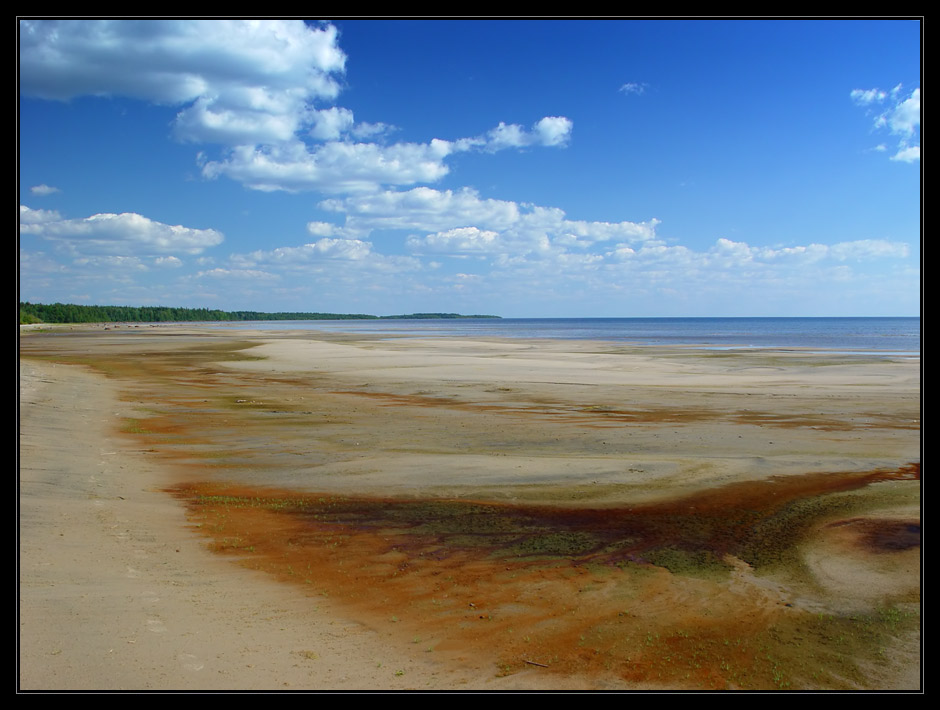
<point>526,168</point>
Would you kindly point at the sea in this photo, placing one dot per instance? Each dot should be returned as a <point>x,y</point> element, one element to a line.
<point>886,336</point>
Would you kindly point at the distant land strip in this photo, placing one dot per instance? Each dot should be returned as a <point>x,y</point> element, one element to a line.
<point>72,313</point>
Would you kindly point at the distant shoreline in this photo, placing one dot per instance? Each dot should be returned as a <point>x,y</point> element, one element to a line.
<point>31,313</point>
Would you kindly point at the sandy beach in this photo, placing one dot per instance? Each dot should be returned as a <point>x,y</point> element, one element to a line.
<point>204,509</point>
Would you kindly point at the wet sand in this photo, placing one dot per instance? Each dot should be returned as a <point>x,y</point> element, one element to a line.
<point>247,510</point>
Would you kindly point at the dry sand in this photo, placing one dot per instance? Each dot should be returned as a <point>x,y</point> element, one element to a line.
<point>117,593</point>
<point>119,590</point>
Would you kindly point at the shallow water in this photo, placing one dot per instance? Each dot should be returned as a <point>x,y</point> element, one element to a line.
<point>886,336</point>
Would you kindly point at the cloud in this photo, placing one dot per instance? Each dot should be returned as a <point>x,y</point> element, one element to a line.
<point>240,81</point>
<point>332,257</point>
<point>582,232</point>
<point>740,253</point>
<point>371,130</point>
<point>325,248</point>
<point>331,167</point>
<point>866,97</point>
<point>126,234</point>
<point>168,262</point>
<point>331,123</point>
<point>30,217</point>
<point>424,208</point>
<point>633,87</point>
<point>343,166</point>
<point>462,222</point>
<point>216,121</point>
<point>553,130</point>
<point>43,190</point>
<point>458,240</point>
<point>111,262</point>
<point>904,118</point>
<point>901,118</point>
<point>549,131</point>
<point>648,267</point>
<point>327,229</point>
<point>868,250</point>
<point>337,123</point>
<point>249,85</point>
<point>910,154</point>
<point>249,275</point>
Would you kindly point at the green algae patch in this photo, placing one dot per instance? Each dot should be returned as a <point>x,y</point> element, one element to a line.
<point>695,563</point>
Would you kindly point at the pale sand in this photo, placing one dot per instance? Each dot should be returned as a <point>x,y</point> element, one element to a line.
<point>727,396</point>
<point>116,592</point>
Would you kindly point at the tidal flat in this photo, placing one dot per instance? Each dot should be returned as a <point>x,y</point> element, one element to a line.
<point>508,514</point>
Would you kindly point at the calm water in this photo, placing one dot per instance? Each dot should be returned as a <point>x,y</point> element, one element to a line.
<point>882,335</point>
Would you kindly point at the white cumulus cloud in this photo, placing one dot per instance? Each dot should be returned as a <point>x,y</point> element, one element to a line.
<point>116,234</point>
<point>549,131</point>
<point>238,81</point>
<point>336,166</point>
<point>29,217</point>
<point>347,166</point>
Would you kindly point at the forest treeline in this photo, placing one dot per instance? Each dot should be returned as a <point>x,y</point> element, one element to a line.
<point>73,313</point>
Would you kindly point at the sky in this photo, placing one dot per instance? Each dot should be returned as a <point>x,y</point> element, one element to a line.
<point>522,168</point>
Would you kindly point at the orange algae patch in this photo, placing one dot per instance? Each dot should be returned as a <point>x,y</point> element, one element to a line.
<point>638,594</point>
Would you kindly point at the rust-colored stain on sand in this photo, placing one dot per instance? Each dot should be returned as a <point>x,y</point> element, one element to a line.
<point>641,592</point>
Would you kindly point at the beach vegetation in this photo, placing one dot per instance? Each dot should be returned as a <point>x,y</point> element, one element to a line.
<point>27,318</point>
